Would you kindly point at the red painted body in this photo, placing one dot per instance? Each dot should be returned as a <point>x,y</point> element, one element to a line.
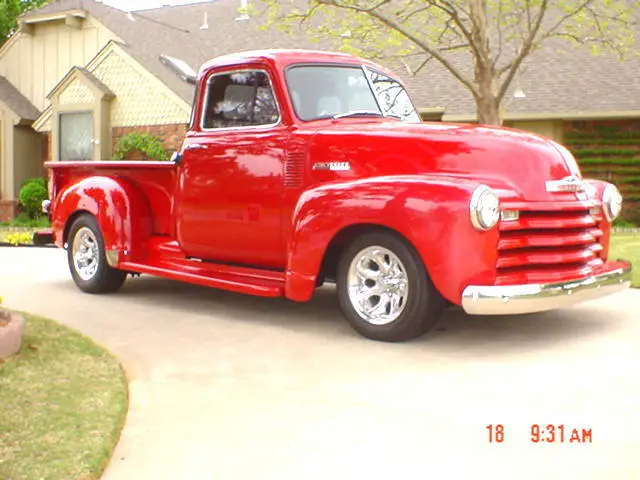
<point>262,219</point>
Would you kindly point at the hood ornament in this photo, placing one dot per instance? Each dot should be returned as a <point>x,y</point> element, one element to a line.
<point>568,184</point>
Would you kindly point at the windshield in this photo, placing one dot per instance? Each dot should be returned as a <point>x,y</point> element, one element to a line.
<point>328,91</point>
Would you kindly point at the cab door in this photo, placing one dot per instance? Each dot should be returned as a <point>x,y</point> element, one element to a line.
<point>230,192</point>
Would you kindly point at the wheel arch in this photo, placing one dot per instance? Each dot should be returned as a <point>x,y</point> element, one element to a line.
<point>70,220</point>
<point>120,208</point>
<point>343,238</point>
<point>430,213</point>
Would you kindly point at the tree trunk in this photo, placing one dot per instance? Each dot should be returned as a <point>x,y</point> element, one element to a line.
<point>487,104</point>
<point>488,109</point>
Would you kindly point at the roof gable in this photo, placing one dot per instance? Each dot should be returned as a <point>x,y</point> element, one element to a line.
<point>99,89</point>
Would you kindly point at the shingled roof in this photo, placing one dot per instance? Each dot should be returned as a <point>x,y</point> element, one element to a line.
<point>17,102</point>
<point>558,82</point>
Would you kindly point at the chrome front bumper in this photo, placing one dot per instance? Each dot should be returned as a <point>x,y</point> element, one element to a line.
<point>514,299</point>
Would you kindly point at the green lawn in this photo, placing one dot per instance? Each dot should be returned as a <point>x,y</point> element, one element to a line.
<point>627,246</point>
<point>63,401</point>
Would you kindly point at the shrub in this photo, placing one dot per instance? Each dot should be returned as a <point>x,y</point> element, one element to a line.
<point>31,196</point>
<point>144,142</point>
<point>593,152</point>
<point>609,161</point>
<point>39,180</point>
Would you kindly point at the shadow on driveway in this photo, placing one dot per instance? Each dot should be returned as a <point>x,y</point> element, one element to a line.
<point>455,332</point>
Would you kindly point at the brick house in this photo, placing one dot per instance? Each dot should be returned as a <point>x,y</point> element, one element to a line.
<point>78,75</point>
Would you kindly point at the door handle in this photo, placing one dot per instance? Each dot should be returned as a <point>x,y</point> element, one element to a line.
<point>196,146</point>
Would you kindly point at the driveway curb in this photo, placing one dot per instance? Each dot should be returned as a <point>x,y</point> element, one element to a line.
<point>7,244</point>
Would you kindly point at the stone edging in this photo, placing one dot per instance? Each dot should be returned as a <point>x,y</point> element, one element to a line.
<point>31,245</point>
<point>11,229</point>
<point>11,335</point>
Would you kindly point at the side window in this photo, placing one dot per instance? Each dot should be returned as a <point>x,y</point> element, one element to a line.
<point>393,98</point>
<point>239,99</point>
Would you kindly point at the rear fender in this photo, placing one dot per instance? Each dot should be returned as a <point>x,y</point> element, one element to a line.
<point>430,212</point>
<point>121,209</point>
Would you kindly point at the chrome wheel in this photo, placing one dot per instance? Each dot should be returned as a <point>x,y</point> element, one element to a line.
<point>85,252</point>
<point>378,285</point>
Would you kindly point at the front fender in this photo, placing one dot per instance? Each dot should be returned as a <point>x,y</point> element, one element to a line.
<point>431,212</point>
<point>121,209</point>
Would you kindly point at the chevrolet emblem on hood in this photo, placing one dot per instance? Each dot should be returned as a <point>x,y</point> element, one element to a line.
<point>567,184</point>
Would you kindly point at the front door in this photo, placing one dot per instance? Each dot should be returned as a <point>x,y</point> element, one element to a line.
<point>231,181</point>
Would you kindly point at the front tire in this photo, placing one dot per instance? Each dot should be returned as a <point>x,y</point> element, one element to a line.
<point>87,260</point>
<point>384,290</point>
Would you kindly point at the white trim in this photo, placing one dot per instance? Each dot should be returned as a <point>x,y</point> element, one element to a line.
<point>47,17</point>
<point>44,117</point>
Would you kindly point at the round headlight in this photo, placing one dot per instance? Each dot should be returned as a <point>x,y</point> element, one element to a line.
<point>484,208</point>
<point>611,202</point>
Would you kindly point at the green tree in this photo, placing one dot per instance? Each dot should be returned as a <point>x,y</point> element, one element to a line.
<point>482,43</point>
<point>10,10</point>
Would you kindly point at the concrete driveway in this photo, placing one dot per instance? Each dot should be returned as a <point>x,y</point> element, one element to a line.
<point>225,386</point>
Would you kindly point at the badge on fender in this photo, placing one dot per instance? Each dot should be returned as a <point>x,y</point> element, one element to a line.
<point>333,166</point>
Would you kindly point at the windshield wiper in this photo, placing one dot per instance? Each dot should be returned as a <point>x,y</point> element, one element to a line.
<point>358,113</point>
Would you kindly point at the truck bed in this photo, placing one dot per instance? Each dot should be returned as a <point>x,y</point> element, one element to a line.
<point>155,179</point>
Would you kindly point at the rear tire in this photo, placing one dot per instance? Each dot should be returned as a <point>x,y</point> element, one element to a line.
<point>384,290</point>
<point>87,260</point>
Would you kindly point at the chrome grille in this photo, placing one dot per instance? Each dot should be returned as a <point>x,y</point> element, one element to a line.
<point>546,246</point>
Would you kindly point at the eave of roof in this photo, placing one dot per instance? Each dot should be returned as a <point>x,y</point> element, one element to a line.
<point>21,107</point>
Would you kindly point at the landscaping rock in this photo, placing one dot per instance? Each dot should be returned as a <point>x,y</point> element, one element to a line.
<point>11,328</point>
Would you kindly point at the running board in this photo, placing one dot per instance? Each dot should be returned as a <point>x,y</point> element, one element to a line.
<point>252,281</point>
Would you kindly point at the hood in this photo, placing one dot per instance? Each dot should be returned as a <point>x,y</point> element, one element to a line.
<point>515,163</point>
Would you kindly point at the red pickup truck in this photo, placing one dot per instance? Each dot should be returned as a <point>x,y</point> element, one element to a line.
<point>302,167</point>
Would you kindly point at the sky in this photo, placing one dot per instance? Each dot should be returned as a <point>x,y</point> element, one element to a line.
<point>132,5</point>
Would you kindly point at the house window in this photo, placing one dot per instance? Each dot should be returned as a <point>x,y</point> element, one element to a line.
<point>239,99</point>
<point>76,136</point>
